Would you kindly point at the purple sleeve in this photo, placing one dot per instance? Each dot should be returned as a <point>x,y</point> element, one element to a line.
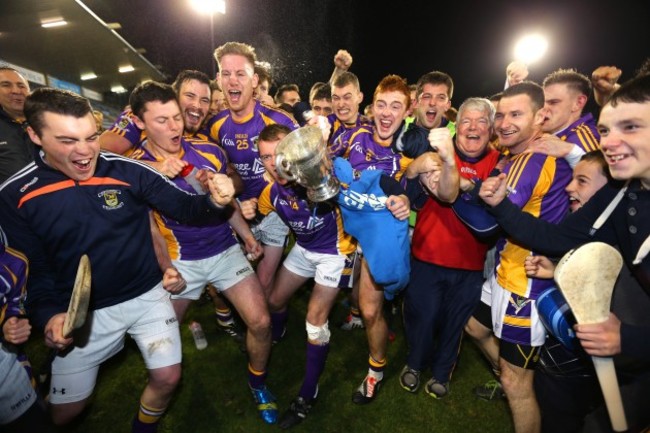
<point>13,278</point>
<point>125,127</point>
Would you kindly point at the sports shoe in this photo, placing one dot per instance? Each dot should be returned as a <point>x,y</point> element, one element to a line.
<point>266,404</point>
<point>352,322</point>
<point>367,391</point>
<point>436,389</point>
<point>232,330</point>
<point>297,412</point>
<point>409,378</point>
<point>491,390</point>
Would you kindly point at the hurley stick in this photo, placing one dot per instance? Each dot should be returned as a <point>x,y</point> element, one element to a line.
<point>586,277</point>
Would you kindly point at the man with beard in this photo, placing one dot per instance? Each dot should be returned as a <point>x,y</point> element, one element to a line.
<point>615,215</point>
<point>193,92</point>
<point>536,183</point>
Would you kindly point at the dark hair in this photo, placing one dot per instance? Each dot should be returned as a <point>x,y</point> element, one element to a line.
<point>148,92</point>
<point>599,158</point>
<point>496,97</point>
<point>533,90</point>
<point>273,131</point>
<point>644,69</point>
<point>435,77</point>
<point>636,90</point>
<point>286,88</point>
<point>56,101</point>
<point>286,108</point>
<point>573,79</point>
<point>187,75</point>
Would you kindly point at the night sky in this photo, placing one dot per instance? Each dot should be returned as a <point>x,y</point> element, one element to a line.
<point>473,41</point>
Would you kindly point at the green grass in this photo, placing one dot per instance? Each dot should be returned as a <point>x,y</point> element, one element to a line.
<point>213,395</point>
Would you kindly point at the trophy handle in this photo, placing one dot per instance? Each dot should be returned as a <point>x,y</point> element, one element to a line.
<point>283,168</point>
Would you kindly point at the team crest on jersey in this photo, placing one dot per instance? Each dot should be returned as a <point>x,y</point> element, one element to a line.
<point>518,302</point>
<point>124,122</point>
<point>255,140</point>
<point>111,199</point>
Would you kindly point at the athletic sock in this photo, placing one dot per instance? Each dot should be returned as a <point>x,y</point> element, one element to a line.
<point>224,316</point>
<point>376,368</point>
<point>278,324</point>
<point>147,419</point>
<point>256,379</point>
<point>316,358</point>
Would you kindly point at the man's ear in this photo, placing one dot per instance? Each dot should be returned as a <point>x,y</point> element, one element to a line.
<point>33,136</point>
<point>138,122</point>
<point>580,102</point>
<point>540,116</point>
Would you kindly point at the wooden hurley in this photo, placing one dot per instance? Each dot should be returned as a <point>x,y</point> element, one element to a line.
<point>78,307</point>
<point>586,277</point>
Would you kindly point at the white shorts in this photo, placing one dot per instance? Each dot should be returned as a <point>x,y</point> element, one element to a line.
<point>223,271</point>
<point>515,318</point>
<point>486,290</point>
<point>326,269</point>
<point>271,231</point>
<point>16,392</point>
<point>151,322</point>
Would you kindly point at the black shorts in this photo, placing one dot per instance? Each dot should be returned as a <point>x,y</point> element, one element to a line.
<point>519,355</point>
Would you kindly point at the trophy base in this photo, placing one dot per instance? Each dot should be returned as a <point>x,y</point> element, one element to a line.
<point>325,191</point>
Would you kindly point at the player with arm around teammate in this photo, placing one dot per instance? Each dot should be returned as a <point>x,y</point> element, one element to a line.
<point>75,200</point>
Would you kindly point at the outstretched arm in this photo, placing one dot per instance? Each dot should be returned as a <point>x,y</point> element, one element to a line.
<point>342,62</point>
<point>604,81</point>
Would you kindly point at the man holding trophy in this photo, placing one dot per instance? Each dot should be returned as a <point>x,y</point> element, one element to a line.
<point>304,181</point>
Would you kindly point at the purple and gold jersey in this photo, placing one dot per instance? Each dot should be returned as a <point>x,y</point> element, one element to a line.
<point>239,140</point>
<point>364,153</point>
<point>339,130</point>
<point>536,184</point>
<point>124,126</point>
<point>192,242</point>
<point>318,226</point>
<point>13,280</point>
<point>582,132</point>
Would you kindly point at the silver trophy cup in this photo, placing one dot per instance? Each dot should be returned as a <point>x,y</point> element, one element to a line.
<point>302,157</point>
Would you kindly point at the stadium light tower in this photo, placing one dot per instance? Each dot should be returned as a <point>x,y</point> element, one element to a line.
<point>531,48</point>
<point>210,7</point>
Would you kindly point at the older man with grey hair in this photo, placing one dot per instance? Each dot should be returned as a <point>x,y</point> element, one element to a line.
<point>447,261</point>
